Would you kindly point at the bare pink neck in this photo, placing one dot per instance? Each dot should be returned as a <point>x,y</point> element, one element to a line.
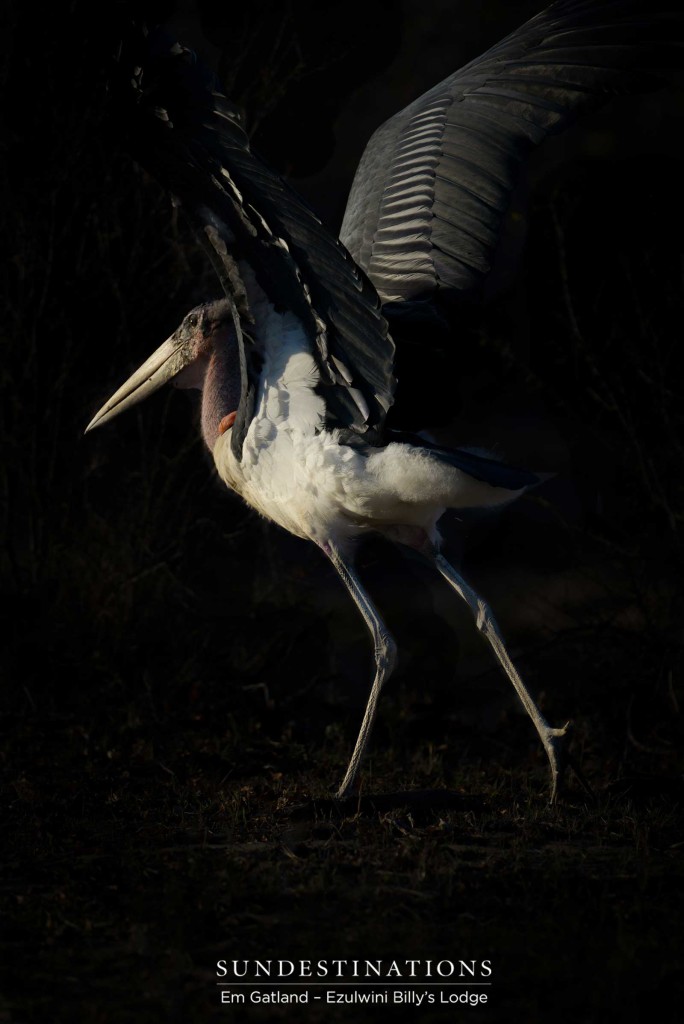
<point>221,390</point>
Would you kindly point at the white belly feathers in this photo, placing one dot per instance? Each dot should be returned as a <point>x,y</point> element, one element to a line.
<point>296,473</point>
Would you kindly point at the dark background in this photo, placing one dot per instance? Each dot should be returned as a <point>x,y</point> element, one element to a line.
<point>177,673</point>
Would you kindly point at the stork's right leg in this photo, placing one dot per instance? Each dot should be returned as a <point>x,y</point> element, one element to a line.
<point>554,740</point>
<point>385,659</point>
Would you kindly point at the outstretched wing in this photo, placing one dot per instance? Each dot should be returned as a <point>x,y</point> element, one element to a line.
<point>434,182</point>
<point>180,127</point>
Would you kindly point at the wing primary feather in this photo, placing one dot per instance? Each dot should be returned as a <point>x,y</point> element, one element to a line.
<point>462,142</point>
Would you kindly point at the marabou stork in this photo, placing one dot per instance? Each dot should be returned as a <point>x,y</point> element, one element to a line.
<point>296,362</point>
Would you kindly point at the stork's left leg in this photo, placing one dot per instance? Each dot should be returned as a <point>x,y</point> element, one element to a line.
<point>385,659</point>
<point>554,740</point>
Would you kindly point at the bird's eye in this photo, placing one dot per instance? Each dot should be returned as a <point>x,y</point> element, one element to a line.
<point>193,320</point>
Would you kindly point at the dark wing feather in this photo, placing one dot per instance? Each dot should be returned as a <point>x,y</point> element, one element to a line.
<point>183,130</point>
<point>434,182</point>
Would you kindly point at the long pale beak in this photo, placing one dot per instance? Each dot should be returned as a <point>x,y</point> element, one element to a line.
<point>169,359</point>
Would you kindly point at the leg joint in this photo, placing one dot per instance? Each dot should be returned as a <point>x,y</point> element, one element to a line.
<point>385,653</point>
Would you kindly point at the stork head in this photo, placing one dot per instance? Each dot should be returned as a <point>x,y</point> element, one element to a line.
<point>201,354</point>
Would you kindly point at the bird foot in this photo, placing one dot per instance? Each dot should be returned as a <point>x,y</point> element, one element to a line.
<point>556,743</point>
<point>347,789</point>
